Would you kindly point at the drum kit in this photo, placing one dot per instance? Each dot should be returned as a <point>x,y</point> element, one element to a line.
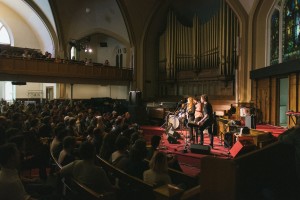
<point>177,119</point>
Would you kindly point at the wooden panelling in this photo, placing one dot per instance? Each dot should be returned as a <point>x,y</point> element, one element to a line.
<point>42,70</point>
<point>292,95</point>
<point>274,101</point>
<point>263,98</point>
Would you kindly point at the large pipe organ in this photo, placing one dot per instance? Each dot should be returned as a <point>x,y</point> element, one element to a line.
<point>200,58</point>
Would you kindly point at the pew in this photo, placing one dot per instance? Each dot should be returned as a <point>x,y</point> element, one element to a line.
<point>130,186</point>
<point>250,176</point>
<point>138,189</point>
<point>74,190</point>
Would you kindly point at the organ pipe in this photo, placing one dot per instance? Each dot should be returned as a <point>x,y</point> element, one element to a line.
<point>207,44</point>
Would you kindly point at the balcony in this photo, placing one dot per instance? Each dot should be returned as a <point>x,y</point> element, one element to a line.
<point>36,70</point>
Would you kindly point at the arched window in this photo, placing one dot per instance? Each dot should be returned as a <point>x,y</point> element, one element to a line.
<point>284,24</point>
<point>274,38</point>
<point>4,37</point>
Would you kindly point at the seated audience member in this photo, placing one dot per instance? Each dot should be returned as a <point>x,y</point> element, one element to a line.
<point>120,157</point>
<point>85,170</point>
<point>137,164</point>
<point>158,173</point>
<point>57,143</point>
<point>108,145</point>
<point>172,159</point>
<point>66,155</point>
<point>155,141</point>
<point>11,187</point>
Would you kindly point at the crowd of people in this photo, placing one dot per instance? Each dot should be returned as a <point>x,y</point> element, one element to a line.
<point>74,134</point>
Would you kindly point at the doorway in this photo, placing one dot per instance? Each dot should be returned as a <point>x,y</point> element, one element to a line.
<point>49,93</point>
<point>283,100</point>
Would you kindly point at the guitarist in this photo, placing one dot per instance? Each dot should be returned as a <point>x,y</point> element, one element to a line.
<point>206,121</point>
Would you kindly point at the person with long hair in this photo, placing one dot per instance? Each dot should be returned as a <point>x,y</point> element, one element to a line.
<point>158,173</point>
<point>191,115</point>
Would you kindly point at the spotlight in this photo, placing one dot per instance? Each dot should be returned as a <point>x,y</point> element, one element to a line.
<point>90,50</point>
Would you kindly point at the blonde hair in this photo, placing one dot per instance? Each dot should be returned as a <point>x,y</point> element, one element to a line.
<point>159,162</point>
<point>190,103</point>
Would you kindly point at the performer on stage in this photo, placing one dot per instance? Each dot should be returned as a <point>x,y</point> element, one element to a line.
<point>206,121</point>
<point>191,115</point>
<point>198,110</point>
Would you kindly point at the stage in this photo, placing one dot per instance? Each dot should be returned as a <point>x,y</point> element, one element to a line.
<point>191,162</point>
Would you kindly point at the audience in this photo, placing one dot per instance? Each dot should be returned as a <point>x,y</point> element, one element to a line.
<point>86,172</point>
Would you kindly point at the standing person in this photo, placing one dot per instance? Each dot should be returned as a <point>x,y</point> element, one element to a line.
<point>207,120</point>
<point>191,115</point>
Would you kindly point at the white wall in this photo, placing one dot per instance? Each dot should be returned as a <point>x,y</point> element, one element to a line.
<point>2,90</point>
<point>26,91</point>
<point>83,91</point>
<point>23,35</point>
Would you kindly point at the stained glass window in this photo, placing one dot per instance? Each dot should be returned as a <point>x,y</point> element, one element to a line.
<point>4,37</point>
<point>291,30</point>
<point>274,37</point>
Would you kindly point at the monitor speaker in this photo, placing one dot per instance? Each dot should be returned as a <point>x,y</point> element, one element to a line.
<point>200,149</point>
<point>242,147</point>
<point>135,97</point>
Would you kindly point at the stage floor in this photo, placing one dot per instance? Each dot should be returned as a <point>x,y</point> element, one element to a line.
<point>191,162</point>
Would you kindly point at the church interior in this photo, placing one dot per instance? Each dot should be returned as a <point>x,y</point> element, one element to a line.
<point>152,99</point>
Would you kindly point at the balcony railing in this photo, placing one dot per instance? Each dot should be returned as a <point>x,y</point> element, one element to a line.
<point>35,70</point>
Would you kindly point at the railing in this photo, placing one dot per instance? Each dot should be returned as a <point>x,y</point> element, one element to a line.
<point>34,70</point>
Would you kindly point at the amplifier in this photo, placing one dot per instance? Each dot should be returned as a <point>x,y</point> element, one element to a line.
<point>200,149</point>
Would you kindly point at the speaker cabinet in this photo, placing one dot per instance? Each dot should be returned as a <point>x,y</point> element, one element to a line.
<point>242,147</point>
<point>200,149</point>
<point>135,98</point>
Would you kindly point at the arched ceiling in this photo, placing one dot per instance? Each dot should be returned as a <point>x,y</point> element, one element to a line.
<point>31,17</point>
<point>83,18</point>
<point>75,19</point>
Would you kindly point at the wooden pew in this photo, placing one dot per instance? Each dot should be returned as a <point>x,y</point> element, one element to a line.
<point>141,190</point>
<point>248,176</point>
<point>73,189</point>
<point>130,186</point>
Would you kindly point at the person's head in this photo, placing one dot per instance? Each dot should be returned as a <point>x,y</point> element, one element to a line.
<point>122,143</point>
<point>138,151</point>
<point>204,98</point>
<point>69,142</point>
<point>9,156</point>
<point>155,141</point>
<point>159,162</point>
<point>87,151</point>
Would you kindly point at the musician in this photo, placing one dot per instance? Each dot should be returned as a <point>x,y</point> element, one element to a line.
<point>191,115</point>
<point>198,110</point>
<point>207,121</point>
